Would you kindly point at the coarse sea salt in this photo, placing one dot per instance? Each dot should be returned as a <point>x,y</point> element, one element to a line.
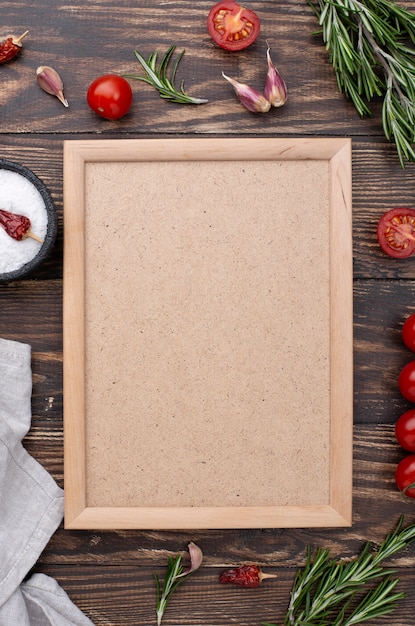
<point>19,195</point>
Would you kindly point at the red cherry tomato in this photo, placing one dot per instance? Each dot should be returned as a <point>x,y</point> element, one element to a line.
<point>231,26</point>
<point>406,381</point>
<point>396,232</point>
<point>408,332</point>
<point>405,430</point>
<point>405,475</point>
<point>110,96</point>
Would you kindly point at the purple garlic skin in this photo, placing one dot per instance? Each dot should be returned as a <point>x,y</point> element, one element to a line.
<point>50,81</point>
<point>196,558</point>
<point>249,97</point>
<point>275,88</point>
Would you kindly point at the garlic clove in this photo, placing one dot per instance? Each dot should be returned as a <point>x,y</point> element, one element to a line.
<point>196,558</point>
<point>50,81</point>
<point>249,97</point>
<point>275,88</point>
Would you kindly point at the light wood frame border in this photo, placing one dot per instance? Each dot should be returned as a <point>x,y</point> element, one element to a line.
<point>337,152</point>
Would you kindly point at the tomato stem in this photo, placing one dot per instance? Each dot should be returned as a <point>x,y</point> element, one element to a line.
<point>411,486</point>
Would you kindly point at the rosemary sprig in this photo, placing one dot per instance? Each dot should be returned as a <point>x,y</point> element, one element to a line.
<point>156,75</point>
<point>334,593</point>
<point>171,581</point>
<point>174,576</point>
<point>370,46</point>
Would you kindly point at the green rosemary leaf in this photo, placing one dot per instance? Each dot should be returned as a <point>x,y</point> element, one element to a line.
<point>327,592</point>
<point>175,65</point>
<point>151,61</point>
<point>370,46</point>
<point>350,89</point>
<point>150,66</point>
<point>376,603</point>
<point>402,20</point>
<point>174,576</point>
<point>157,76</point>
<point>162,71</point>
<point>171,581</point>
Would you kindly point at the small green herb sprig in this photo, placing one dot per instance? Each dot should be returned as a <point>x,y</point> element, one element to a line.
<point>174,576</point>
<point>370,46</point>
<point>335,593</point>
<point>156,75</point>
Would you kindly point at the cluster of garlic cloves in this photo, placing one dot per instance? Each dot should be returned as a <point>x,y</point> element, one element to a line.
<point>275,90</point>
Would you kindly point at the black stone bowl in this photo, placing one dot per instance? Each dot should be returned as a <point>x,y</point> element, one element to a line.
<point>52,224</point>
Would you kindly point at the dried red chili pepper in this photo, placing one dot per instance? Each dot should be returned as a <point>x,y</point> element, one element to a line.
<point>17,226</point>
<point>10,47</point>
<point>245,576</point>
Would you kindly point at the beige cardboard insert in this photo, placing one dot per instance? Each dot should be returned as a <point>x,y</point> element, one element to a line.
<point>207,338</point>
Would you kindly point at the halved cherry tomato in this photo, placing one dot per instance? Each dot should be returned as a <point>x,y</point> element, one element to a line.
<point>231,26</point>
<point>408,332</point>
<point>396,232</point>
<point>405,430</point>
<point>406,381</point>
<point>110,96</point>
<point>405,475</point>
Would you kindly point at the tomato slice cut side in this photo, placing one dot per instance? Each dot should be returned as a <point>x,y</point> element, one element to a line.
<point>396,232</point>
<point>231,26</point>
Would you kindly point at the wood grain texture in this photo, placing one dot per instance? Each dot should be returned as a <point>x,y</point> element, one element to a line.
<point>109,574</point>
<point>82,38</point>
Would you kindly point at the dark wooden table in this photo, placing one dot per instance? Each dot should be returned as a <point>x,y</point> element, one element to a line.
<point>109,574</point>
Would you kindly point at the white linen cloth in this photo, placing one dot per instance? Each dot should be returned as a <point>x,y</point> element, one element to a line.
<point>31,507</point>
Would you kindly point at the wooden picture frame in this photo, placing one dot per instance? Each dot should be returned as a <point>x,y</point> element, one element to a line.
<point>208,329</point>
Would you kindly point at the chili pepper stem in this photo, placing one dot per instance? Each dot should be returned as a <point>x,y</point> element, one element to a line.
<point>262,576</point>
<point>33,236</point>
<point>18,40</point>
